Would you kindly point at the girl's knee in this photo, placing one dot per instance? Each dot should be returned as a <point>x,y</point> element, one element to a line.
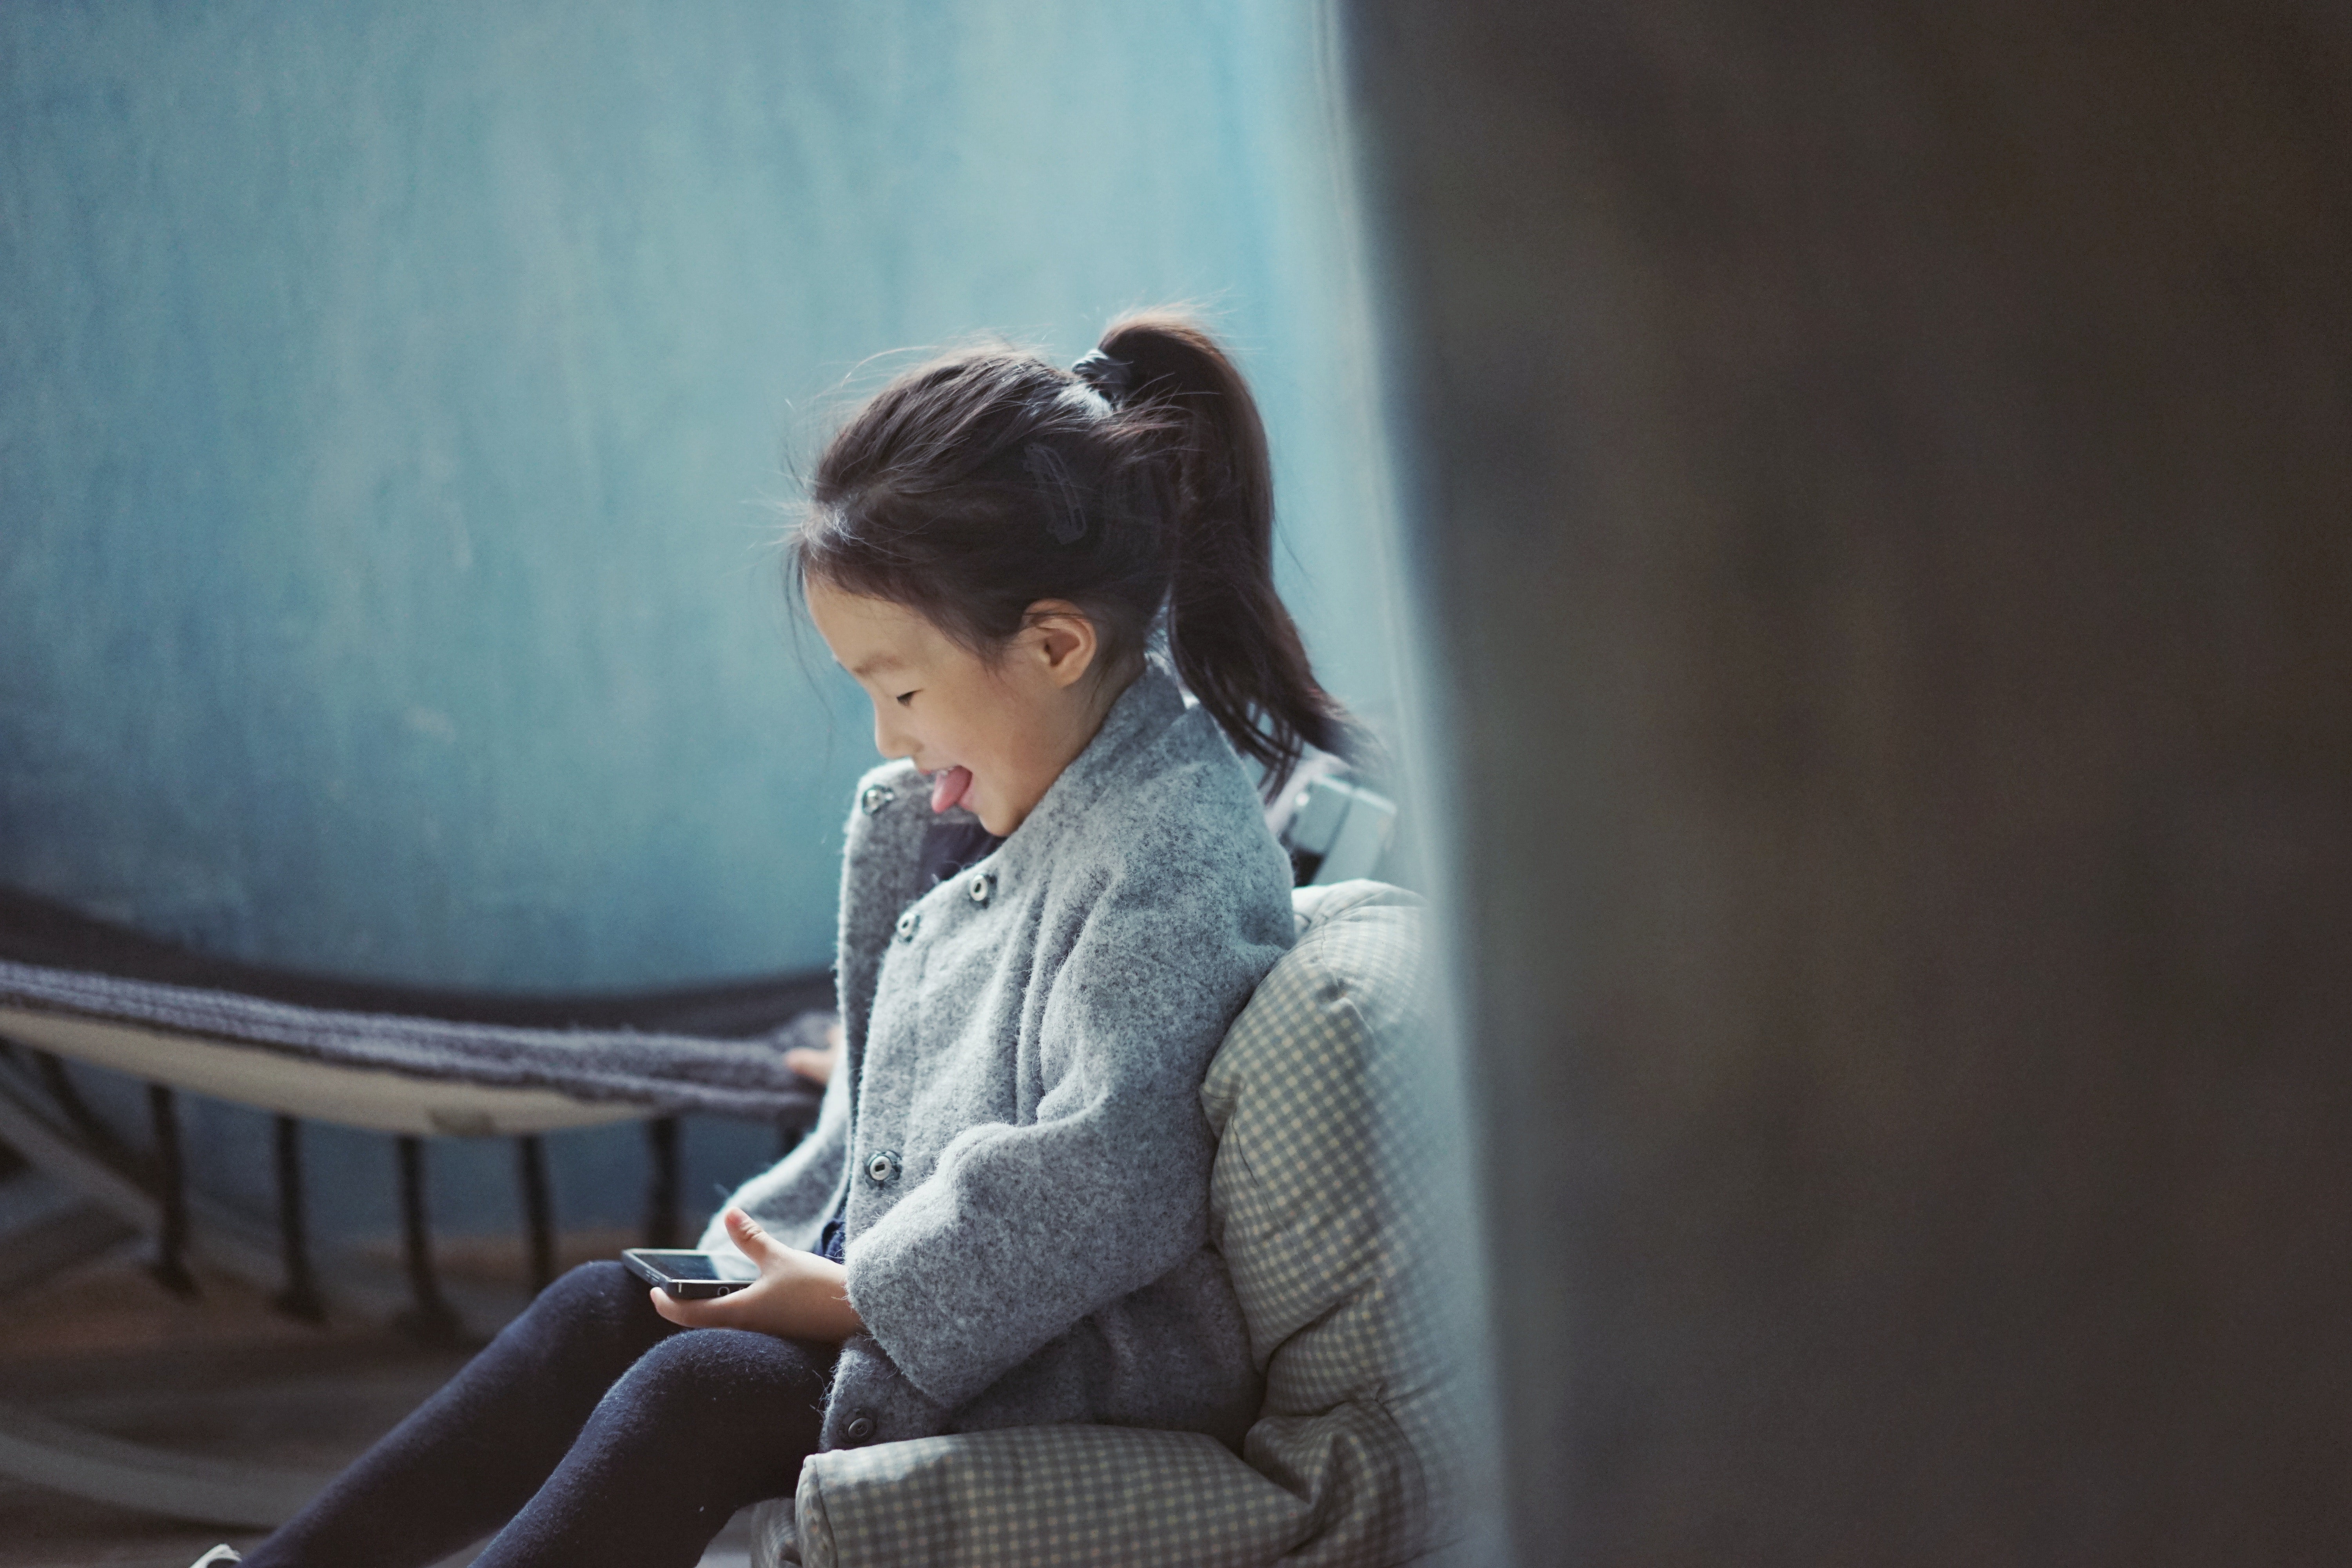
<point>593,1303</point>
<point>605,1279</point>
<point>591,1289</point>
<point>741,1374</point>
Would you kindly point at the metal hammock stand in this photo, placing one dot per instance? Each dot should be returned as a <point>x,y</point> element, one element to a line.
<point>409,1061</point>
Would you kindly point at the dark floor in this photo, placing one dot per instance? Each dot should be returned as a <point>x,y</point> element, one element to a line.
<point>104,1347</point>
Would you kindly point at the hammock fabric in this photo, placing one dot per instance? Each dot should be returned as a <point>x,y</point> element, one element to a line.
<point>716,1049</point>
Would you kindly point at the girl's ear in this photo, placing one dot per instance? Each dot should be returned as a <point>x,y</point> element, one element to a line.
<point>1062,640</point>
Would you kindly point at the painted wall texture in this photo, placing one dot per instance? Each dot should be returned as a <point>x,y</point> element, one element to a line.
<point>394,395</point>
<point>394,402</point>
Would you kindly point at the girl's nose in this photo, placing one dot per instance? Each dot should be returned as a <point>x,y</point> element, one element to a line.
<point>888,739</point>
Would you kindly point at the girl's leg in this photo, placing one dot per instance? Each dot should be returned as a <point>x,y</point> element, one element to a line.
<point>467,1458</point>
<point>705,1423</point>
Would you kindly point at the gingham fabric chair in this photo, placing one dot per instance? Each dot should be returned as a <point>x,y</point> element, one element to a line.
<point>1316,1202</point>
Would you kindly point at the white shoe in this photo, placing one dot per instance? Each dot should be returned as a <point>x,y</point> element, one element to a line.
<point>217,1557</point>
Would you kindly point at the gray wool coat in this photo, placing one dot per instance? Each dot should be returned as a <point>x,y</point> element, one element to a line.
<point>1015,1124</point>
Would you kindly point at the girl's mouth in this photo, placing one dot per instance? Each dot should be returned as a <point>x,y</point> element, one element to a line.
<point>948,787</point>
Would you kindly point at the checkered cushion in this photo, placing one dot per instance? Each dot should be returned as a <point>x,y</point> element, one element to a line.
<point>1315,1206</point>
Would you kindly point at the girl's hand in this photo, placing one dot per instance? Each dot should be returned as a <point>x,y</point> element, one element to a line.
<point>798,1296</point>
<point>814,1065</point>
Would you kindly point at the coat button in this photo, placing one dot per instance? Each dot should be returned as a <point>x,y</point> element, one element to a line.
<point>983,884</point>
<point>860,1427</point>
<point>907,924</point>
<point>876,797</point>
<point>883,1168</point>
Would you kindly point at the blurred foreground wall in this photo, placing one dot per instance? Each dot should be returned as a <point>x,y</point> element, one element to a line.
<point>1885,483</point>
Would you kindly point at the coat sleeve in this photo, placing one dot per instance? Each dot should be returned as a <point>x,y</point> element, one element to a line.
<point>1022,1231</point>
<point>881,875</point>
<point>796,1195</point>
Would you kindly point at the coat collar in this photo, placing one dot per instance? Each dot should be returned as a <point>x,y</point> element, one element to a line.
<point>1117,755</point>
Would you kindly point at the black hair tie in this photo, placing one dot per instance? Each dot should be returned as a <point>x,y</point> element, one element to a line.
<point>1114,378</point>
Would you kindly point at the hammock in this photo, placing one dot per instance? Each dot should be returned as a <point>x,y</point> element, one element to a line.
<point>410,1061</point>
<point>397,1058</point>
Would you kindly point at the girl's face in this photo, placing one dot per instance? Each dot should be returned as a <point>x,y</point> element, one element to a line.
<point>997,733</point>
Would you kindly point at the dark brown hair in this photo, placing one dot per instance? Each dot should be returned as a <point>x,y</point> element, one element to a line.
<point>1138,489</point>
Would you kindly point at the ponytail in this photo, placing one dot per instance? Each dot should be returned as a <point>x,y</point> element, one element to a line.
<point>1233,641</point>
<point>1136,487</point>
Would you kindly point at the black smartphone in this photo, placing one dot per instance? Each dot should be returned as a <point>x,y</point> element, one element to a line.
<point>692,1275</point>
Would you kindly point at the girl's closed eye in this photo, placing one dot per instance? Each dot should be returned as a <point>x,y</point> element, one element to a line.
<point>905,698</point>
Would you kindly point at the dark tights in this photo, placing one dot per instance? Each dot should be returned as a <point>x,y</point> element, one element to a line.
<point>593,1429</point>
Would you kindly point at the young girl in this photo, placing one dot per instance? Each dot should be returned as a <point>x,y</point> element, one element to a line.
<point>1052,908</point>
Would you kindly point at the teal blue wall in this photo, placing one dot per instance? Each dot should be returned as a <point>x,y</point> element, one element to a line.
<point>392,404</point>
<point>395,396</point>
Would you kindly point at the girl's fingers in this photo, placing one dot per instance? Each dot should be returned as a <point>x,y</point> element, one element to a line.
<point>757,1245</point>
<point>676,1310</point>
<point>711,1312</point>
<point>764,1305</point>
<point>796,1296</point>
<point>814,1063</point>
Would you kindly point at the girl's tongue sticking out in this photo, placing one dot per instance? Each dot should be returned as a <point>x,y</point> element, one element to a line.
<point>948,787</point>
